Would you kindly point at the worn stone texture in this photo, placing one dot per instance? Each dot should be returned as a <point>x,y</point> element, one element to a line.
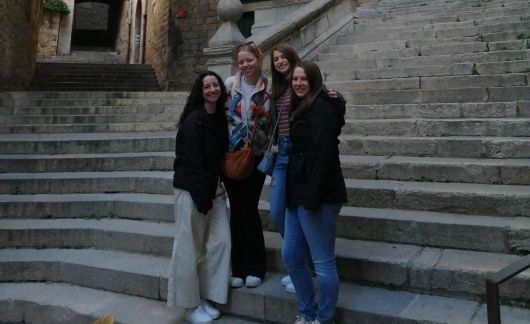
<point>186,39</point>
<point>19,23</point>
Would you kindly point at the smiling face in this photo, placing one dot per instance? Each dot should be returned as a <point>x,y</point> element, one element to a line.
<point>299,82</point>
<point>211,89</point>
<point>281,64</point>
<point>248,64</point>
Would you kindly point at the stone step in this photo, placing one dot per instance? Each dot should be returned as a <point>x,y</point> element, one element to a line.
<point>502,127</point>
<point>140,109</point>
<point>496,171</point>
<point>458,69</point>
<point>106,87</point>
<point>87,143</point>
<point>95,101</point>
<point>356,304</point>
<point>427,169</point>
<point>453,147</point>
<point>43,96</point>
<point>482,17</point>
<point>148,161</point>
<point>437,83</point>
<point>442,110</point>
<point>457,95</point>
<point>70,118</point>
<point>412,32</point>
<point>342,64</point>
<point>87,128</point>
<point>465,198</point>
<point>61,303</point>
<point>410,267</point>
<point>51,67</point>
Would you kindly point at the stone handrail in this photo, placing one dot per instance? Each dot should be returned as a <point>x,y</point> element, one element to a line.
<point>307,29</point>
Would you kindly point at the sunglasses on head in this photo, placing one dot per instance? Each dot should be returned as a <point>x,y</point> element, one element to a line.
<point>241,46</point>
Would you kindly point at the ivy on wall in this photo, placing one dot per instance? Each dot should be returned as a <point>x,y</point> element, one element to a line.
<point>56,5</point>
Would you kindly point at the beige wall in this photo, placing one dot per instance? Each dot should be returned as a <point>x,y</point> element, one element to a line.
<point>19,23</point>
<point>50,23</point>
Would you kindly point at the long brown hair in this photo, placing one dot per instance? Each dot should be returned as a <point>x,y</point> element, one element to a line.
<point>279,81</point>
<point>314,78</point>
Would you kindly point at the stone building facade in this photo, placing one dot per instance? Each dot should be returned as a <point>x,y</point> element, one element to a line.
<point>168,34</point>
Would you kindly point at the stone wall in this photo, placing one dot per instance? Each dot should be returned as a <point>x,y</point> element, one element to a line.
<point>156,47</point>
<point>91,16</point>
<point>188,36</point>
<point>19,23</point>
<point>50,23</point>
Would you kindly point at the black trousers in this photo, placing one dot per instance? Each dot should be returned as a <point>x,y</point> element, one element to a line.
<point>248,245</point>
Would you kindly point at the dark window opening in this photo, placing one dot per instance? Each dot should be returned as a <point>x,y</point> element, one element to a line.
<point>245,23</point>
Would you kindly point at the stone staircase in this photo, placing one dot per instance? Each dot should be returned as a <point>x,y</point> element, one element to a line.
<point>436,152</point>
<point>59,76</point>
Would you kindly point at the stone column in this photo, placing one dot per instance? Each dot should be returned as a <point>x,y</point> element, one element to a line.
<point>65,30</point>
<point>219,53</point>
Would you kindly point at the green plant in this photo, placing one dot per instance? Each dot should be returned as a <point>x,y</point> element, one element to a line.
<point>93,216</point>
<point>56,5</point>
<point>474,70</point>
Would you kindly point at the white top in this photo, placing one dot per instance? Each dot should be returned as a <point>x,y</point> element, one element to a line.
<point>247,90</point>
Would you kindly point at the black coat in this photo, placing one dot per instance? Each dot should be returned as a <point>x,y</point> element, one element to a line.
<point>199,151</point>
<point>314,174</point>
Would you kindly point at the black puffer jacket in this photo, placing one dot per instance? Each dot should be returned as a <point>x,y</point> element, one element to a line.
<point>314,173</point>
<point>199,151</point>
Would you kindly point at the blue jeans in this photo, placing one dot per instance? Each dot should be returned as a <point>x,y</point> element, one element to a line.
<point>313,231</point>
<point>277,195</point>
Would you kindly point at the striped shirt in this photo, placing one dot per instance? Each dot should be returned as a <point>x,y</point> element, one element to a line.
<point>285,101</point>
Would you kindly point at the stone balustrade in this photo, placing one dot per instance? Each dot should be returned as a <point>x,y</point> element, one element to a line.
<point>307,29</point>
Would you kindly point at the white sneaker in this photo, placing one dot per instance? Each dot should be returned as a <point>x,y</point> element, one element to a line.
<point>290,288</point>
<point>236,282</point>
<point>198,315</point>
<point>301,320</point>
<point>286,280</point>
<point>210,310</point>
<point>252,282</point>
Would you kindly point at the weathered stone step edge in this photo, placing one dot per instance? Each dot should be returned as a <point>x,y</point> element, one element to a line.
<point>503,127</point>
<point>140,109</point>
<point>455,69</point>
<point>85,128</point>
<point>464,198</point>
<point>28,119</point>
<point>356,304</point>
<point>433,83</point>
<point>462,95</point>
<point>422,19</point>
<point>409,49</point>
<point>438,271</point>
<point>405,33</point>
<point>419,127</point>
<point>436,19</point>
<point>456,170</point>
<point>424,61</point>
<point>54,95</point>
<point>61,303</point>
<point>453,147</point>
<point>444,110</point>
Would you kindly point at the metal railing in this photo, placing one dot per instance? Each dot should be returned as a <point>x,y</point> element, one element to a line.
<point>493,280</point>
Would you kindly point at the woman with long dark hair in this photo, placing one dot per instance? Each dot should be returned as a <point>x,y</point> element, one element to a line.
<point>315,194</point>
<point>200,264</point>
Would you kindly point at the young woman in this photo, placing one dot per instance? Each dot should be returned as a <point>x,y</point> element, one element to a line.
<point>283,61</point>
<point>315,193</point>
<point>248,122</point>
<point>200,264</point>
